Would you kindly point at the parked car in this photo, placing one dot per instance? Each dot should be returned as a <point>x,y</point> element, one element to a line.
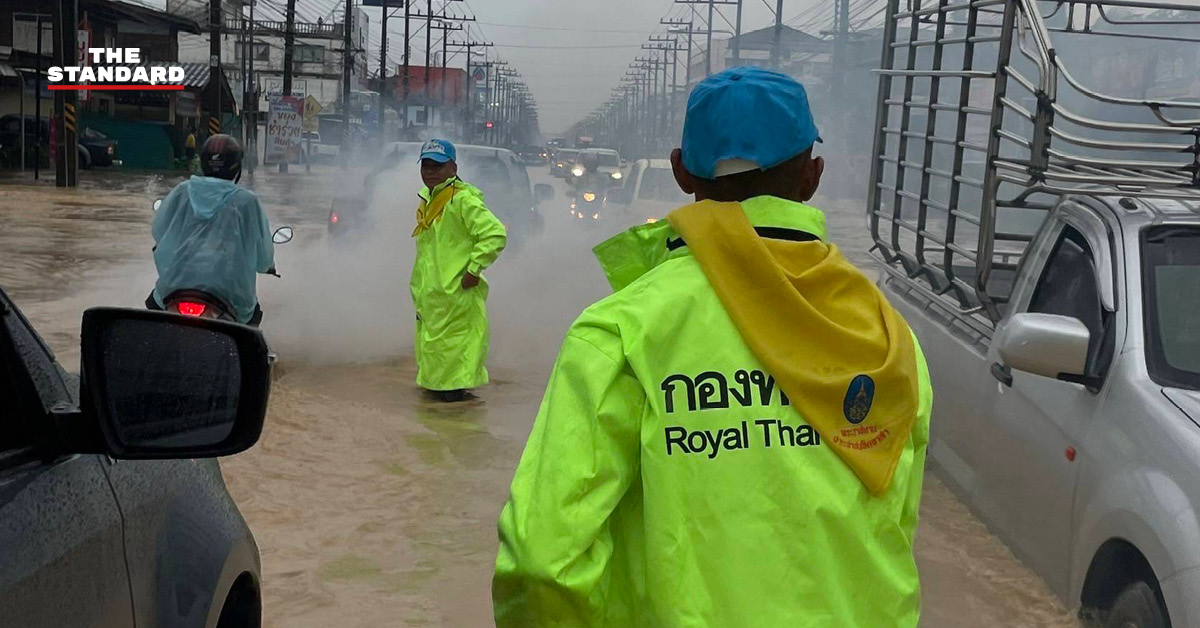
<point>319,152</point>
<point>95,148</point>
<point>112,511</point>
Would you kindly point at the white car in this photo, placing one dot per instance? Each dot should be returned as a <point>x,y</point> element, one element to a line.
<point>319,151</point>
<point>649,194</point>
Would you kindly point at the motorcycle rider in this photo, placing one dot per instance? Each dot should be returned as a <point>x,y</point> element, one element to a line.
<point>212,235</point>
<point>592,180</point>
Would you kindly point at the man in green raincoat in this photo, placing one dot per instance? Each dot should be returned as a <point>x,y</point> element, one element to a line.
<point>737,436</point>
<point>457,238</point>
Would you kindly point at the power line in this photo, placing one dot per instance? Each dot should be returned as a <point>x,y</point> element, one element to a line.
<point>638,45</point>
<point>572,30</point>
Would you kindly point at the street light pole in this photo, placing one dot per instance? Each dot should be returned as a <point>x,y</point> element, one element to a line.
<point>776,53</point>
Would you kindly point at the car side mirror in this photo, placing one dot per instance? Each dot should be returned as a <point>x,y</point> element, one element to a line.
<point>282,235</point>
<point>157,203</point>
<point>164,386</point>
<point>1046,344</point>
<point>543,192</point>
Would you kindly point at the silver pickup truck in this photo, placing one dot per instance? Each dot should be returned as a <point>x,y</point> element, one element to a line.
<point>1040,231</point>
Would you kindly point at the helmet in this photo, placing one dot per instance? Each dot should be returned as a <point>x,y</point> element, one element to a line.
<point>589,161</point>
<point>221,157</point>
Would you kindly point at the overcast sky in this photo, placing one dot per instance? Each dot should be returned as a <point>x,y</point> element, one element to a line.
<point>571,53</point>
<point>579,72</point>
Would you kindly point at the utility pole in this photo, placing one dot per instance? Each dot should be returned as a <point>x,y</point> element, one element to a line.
<point>737,36</point>
<point>289,44</point>
<point>65,27</point>
<point>407,51</point>
<point>840,39</point>
<point>708,45</point>
<point>469,45</point>
<point>429,16</point>
<point>707,32</point>
<point>37,106</point>
<point>251,103</point>
<point>675,26</point>
<point>428,41</point>
<point>383,64</point>
<point>214,66</point>
<point>776,52</point>
<point>383,47</point>
<point>348,53</point>
<point>494,101</point>
<point>446,28</point>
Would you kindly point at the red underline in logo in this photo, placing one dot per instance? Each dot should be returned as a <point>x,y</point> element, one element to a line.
<point>119,87</point>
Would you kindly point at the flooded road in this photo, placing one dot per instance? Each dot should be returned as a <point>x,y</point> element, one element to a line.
<point>371,505</point>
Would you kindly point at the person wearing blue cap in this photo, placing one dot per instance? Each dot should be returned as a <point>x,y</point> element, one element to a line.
<point>457,238</point>
<point>735,437</point>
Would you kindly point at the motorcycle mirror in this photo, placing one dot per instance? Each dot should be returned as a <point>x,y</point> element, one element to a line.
<point>157,203</point>
<point>283,235</point>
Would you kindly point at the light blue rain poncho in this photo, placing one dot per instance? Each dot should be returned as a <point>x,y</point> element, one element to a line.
<point>212,235</point>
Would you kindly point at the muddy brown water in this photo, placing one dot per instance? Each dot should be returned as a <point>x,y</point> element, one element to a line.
<point>371,505</point>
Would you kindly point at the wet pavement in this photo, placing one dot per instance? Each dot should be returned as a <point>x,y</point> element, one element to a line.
<point>372,505</point>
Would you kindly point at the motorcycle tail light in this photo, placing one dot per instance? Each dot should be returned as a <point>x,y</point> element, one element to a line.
<point>187,308</point>
<point>334,218</point>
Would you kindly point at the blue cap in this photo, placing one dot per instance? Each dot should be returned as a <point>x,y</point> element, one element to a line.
<point>440,151</point>
<point>744,119</point>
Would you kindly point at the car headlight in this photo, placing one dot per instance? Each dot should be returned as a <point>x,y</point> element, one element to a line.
<point>589,197</point>
<point>577,172</point>
<point>616,176</point>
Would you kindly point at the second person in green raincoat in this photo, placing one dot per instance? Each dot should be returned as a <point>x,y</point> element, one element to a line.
<point>457,238</point>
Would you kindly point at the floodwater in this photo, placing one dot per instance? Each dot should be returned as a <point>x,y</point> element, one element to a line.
<point>371,505</point>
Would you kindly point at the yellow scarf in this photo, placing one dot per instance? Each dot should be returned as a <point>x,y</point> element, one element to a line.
<point>842,354</point>
<point>431,212</point>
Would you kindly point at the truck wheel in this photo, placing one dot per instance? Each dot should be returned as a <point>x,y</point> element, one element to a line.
<point>1137,607</point>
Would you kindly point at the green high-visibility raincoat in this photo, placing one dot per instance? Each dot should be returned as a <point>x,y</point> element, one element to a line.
<point>668,481</point>
<point>456,234</point>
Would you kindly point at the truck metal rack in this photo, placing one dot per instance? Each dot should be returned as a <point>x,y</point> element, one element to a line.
<point>989,111</point>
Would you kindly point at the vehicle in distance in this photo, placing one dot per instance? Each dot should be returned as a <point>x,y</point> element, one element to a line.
<point>562,162</point>
<point>318,151</point>
<point>96,149</point>
<point>609,164</point>
<point>533,155</point>
<point>1056,294</point>
<point>649,194</point>
<point>112,511</point>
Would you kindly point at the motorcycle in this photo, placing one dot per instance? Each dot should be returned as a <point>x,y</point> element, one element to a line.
<point>587,204</point>
<point>201,304</point>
